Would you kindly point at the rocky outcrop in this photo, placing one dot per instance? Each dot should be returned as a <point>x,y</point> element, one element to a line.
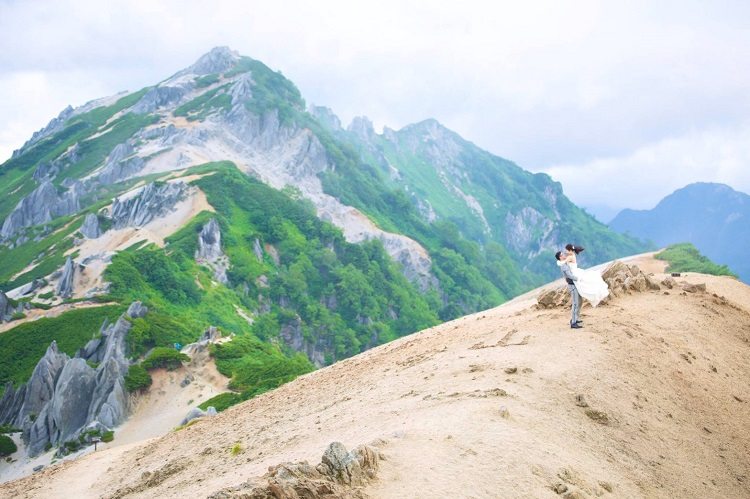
<point>314,347</point>
<point>48,170</point>
<point>6,308</point>
<point>90,227</point>
<point>209,251</point>
<point>528,231</point>
<point>158,97</point>
<point>340,474</point>
<point>121,164</point>
<point>66,396</point>
<point>196,413</point>
<point>361,126</point>
<point>64,287</point>
<point>152,201</point>
<point>39,207</point>
<point>620,278</point>
<point>327,117</point>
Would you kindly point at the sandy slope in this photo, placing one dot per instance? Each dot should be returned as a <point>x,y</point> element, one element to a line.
<point>485,406</point>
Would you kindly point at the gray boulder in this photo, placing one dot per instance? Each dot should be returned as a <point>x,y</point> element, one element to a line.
<point>90,227</point>
<point>150,202</point>
<point>192,414</point>
<point>65,284</point>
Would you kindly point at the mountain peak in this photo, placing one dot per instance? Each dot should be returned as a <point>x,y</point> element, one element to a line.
<point>217,60</point>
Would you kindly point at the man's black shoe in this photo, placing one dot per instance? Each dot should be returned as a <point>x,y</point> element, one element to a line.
<point>579,322</point>
<point>576,326</point>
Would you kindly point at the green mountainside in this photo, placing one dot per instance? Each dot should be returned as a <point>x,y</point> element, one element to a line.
<point>332,241</point>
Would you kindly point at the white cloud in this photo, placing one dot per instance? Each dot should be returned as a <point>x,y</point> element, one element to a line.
<point>541,82</point>
<point>642,178</point>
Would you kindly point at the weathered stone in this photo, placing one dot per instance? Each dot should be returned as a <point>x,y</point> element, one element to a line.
<point>328,480</point>
<point>65,284</point>
<point>157,97</point>
<point>150,202</point>
<point>669,282</point>
<point>652,284</point>
<point>694,288</point>
<point>209,251</point>
<point>41,386</point>
<point>192,414</point>
<point>68,408</point>
<point>39,207</point>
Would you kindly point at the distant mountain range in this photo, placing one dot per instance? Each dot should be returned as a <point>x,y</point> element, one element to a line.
<point>713,217</point>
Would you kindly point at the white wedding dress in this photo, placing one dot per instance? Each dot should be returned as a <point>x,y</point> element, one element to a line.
<point>590,284</point>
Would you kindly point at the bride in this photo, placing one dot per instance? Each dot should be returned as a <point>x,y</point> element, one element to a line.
<point>590,284</point>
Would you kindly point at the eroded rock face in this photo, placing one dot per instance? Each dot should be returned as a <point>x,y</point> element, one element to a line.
<point>153,201</point>
<point>121,164</point>
<point>158,97</point>
<point>39,207</point>
<point>340,474</point>
<point>65,396</point>
<point>209,251</point>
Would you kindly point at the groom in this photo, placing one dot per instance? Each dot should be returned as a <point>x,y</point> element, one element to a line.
<point>575,323</point>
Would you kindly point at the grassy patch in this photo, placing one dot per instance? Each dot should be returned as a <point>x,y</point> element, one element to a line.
<point>138,379</point>
<point>685,257</point>
<point>164,357</point>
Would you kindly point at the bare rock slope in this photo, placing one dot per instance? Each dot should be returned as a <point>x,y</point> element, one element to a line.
<point>650,399</point>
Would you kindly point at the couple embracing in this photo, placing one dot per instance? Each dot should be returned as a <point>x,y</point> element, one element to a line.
<point>581,283</point>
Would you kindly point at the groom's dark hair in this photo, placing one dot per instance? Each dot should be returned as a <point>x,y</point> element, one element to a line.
<point>557,255</point>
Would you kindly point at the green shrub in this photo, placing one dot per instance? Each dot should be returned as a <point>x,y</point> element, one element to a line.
<point>207,80</point>
<point>7,446</point>
<point>108,436</point>
<point>222,401</point>
<point>165,357</point>
<point>685,257</point>
<point>6,428</point>
<point>17,316</point>
<point>137,379</point>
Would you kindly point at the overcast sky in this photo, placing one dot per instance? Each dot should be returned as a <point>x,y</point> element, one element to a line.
<point>621,103</point>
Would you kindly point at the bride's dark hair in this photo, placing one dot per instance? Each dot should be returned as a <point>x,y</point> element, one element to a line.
<point>576,249</point>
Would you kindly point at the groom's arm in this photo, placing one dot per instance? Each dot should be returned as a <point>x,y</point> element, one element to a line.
<point>567,273</point>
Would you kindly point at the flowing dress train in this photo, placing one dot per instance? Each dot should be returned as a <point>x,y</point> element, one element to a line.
<point>590,284</point>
